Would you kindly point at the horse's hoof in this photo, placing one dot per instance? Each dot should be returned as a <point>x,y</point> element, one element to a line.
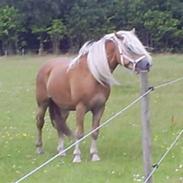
<point>77,159</point>
<point>62,153</point>
<point>39,150</point>
<point>95,157</point>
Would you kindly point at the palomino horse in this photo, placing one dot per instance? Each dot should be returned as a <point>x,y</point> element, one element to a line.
<point>84,85</point>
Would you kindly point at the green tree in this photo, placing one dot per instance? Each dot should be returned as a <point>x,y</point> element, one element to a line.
<point>159,23</point>
<point>57,30</point>
<point>36,16</point>
<point>40,33</point>
<point>87,20</point>
<point>39,15</point>
<point>9,28</point>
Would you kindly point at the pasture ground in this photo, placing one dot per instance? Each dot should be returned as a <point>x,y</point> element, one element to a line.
<point>119,143</point>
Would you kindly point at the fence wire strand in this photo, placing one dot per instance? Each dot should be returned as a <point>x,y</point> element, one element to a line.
<point>168,83</point>
<point>102,125</point>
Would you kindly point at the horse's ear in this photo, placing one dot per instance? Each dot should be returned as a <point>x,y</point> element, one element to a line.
<point>133,30</point>
<point>118,36</point>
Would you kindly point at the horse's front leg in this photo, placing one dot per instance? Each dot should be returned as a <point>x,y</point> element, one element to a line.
<point>59,124</point>
<point>80,112</point>
<point>97,114</point>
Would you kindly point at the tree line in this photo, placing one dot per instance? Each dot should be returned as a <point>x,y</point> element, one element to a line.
<point>52,26</point>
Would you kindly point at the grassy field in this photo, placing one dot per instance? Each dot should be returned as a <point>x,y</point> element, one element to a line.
<point>119,143</point>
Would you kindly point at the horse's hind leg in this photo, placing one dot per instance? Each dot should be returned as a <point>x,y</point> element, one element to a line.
<point>40,122</point>
<point>60,147</point>
<point>97,114</point>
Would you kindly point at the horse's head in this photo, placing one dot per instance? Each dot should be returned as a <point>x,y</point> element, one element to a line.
<point>133,55</point>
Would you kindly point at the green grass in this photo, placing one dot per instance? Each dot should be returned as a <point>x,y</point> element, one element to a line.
<point>119,143</point>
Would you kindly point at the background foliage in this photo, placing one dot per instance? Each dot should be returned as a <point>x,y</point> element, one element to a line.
<point>63,25</point>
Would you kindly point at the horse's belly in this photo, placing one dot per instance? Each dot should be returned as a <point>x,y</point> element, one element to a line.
<point>68,101</point>
<point>61,96</point>
<point>58,89</point>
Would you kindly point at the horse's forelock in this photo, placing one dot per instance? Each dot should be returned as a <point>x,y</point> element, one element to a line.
<point>132,45</point>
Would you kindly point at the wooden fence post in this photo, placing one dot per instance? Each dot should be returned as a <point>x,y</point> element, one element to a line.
<point>146,131</point>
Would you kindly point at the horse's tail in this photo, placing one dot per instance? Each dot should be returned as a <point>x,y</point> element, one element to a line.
<point>56,119</point>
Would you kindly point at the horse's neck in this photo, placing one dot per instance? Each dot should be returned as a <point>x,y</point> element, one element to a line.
<point>112,56</point>
<point>113,64</point>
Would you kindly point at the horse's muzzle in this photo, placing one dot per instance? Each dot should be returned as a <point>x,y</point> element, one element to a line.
<point>143,65</point>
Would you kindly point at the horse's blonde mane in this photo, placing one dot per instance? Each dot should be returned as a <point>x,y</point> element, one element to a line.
<point>97,61</point>
<point>97,58</point>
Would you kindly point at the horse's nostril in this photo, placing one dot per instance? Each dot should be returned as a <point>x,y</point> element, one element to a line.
<point>147,65</point>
